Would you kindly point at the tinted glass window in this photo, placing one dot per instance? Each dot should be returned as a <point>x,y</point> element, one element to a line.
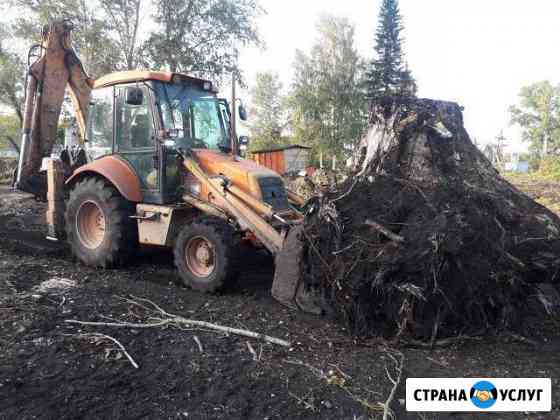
<point>135,140</point>
<point>207,124</point>
<point>200,120</point>
<point>134,123</point>
<point>100,123</point>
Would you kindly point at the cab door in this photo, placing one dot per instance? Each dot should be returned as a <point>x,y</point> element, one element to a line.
<point>135,139</point>
<point>100,122</point>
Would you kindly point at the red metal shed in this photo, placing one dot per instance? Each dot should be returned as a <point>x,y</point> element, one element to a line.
<point>283,159</point>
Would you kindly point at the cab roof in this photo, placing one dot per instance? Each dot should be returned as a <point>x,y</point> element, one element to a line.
<point>141,76</point>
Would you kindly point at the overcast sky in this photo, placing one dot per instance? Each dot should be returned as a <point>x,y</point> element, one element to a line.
<point>476,52</point>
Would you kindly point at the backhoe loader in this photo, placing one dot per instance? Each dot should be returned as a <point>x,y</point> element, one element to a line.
<point>157,165</point>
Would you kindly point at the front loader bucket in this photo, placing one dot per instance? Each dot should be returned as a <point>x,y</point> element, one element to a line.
<point>288,287</point>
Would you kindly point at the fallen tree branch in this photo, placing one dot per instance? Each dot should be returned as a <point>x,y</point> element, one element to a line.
<point>382,229</point>
<point>522,339</point>
<point>176,320</point>
<point>445,342</point>
<point>316,371</point>
<point>113,340</point>
<point>303,401</point>
<point>198,343</point>
<point>387,412</point>
<point>340,381</point>
<point>121,324</point>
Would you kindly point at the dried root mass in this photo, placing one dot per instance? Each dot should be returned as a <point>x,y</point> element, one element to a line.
<point>429,240</point>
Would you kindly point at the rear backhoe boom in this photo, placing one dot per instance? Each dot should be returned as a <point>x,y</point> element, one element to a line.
<point>56,69</point>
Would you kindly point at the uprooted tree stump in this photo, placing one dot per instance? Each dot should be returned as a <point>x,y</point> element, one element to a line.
<point>427,240</point>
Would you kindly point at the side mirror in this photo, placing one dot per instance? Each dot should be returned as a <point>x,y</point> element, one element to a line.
<point>134,96</point>
<point>242,113</point>
<point>243,140</point>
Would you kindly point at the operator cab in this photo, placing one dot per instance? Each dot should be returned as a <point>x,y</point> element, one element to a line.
<point>145,117</point>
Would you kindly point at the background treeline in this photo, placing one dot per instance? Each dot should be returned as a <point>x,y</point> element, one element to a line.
<point>200,37</point>
<point>324,107</point>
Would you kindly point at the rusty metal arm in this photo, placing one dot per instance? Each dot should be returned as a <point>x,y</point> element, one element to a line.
<point>57,67</point>
<point>79,87</point>
<point>205,207</point>
<point>246,217</point>
<point>262,208</point>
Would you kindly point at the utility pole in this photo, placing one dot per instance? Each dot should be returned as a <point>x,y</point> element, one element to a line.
<point>500,145</point>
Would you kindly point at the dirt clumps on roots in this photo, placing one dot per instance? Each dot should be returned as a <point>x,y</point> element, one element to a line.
<point>428,240</point>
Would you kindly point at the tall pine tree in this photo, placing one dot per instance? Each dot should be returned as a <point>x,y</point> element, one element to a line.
<point>388,74</point>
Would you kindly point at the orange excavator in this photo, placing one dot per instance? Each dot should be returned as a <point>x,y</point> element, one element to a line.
<point>157,165</point>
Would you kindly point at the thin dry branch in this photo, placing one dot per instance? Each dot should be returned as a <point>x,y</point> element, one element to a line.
<point>113,340</point>
<point>382,229</point>
<point>303,401</point>
<point>399,364</point>
<point>178,321</point>
<point>256,357</point>
<point>121,324</point>
<point>316,371</point>
<point>445,342</point>
<point>198,343</point>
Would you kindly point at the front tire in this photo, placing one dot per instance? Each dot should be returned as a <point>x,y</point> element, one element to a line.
<point>206,254</point>
<point>98,227</point>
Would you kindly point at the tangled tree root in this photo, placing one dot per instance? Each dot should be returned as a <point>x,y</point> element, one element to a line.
<point>428,240</point>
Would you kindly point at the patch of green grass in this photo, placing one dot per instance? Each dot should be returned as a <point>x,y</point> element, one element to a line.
<point>549,168</point>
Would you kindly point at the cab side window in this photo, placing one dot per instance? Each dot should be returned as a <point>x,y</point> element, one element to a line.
<point>135,129</point>
<point>100,123</point>
<point>135,140</point>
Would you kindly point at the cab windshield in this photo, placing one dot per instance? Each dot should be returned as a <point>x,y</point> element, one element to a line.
<point>200,121</point>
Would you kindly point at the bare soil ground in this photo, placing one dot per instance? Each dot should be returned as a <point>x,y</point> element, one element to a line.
<point>48,372</point>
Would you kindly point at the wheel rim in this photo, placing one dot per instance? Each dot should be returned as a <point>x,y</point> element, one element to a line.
<point>200,256</point>
<point>90,224</point>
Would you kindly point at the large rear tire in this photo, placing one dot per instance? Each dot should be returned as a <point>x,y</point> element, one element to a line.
<point>98,227</point>
<point>206,254</point>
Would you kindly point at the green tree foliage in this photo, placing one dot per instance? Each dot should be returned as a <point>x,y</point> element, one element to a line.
<point>538,115</point>
<point>11,75</point>
<point>201,37</point>
<point>91,37</point>
<point>388,74</point>
<point>123,19</point>
<point>9,131</point>
<point>549,168</point>
<point>99,38</point>
<point>268,111</point>
<point>326,100</point>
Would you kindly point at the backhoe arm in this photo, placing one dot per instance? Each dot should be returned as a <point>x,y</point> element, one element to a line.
<point>57,67</point>
<point>241,211</point>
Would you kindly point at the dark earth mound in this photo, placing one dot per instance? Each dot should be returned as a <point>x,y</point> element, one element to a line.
<point>427,240</point>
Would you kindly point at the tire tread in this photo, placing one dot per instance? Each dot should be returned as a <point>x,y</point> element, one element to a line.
<point>124,238</point>
<point>229,241</point>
